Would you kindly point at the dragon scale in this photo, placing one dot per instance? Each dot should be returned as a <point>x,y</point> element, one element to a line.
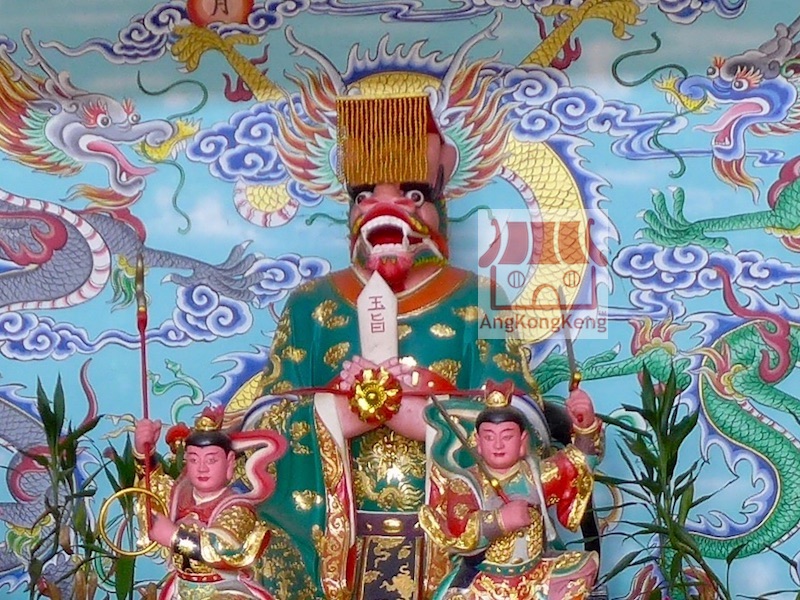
<point>748,429</point>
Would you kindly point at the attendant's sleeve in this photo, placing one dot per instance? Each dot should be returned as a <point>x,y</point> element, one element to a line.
<point>591,441</point>
<point>235,539</point>
<point>458,522</point>
<point>567,482</point>
<point>161,485</point>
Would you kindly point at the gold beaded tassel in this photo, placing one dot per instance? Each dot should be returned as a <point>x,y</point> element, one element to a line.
<point>382,140</point>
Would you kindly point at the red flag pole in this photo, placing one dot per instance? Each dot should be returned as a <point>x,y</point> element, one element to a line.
<point>141,325</point>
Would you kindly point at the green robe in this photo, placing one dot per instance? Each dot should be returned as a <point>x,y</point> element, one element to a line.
<point>438,326</point>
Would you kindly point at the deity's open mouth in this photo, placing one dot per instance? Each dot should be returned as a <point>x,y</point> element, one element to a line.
<point>388,233</point>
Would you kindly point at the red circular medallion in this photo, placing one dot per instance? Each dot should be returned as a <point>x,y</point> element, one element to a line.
<point>205,12</point>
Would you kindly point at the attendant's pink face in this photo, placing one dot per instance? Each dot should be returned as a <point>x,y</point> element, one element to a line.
<point>501,445</point>
<point>209,468</point>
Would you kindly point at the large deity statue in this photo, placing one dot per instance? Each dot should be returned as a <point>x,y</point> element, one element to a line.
<point>355,357</point>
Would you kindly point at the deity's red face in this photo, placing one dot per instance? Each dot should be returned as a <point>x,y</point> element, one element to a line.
<point>501,445</point>
<point>394,227</point>
<point>209,468</point>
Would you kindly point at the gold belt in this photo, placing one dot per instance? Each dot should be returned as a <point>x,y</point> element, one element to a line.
<point>387,523</point>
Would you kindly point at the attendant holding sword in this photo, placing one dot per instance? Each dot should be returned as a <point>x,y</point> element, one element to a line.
<point>494,517</point>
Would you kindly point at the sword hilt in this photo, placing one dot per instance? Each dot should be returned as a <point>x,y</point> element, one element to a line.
<point>575,381</point>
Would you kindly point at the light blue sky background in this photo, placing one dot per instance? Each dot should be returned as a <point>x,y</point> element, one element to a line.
<point>216,227</point>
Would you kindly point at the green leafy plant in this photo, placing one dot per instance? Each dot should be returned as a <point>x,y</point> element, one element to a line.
<point>121,576</point>
<point>65,524</point>
<point>651,450</point>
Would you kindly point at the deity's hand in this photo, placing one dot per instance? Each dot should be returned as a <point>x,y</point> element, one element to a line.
<point>353,368</point>
<point>515,515</point>
<point>581,409</point>
<point>162,530</point>
<point>145,435</point>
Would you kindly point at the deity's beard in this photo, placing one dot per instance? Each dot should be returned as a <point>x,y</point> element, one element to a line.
<point>397,267</point>
<point>394,269</point>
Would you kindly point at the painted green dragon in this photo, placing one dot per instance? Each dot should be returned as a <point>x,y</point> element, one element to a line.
<point>737,373</point>
<point>733,380</point>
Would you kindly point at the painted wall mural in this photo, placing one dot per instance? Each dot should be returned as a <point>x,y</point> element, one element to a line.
<point>201,135</point>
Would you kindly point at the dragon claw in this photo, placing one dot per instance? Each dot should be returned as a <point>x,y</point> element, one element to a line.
<point>671,227</point>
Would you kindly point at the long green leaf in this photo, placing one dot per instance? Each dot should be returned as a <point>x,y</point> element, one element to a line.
<point>642,451</point>
<point>632,408</point>
<point>123,582</point>
<point>610,480</point>
<point>770,595</point>
<point>649,528</point>
<point>79,519</point>
<point>609,507</point>
<point>51,430</point>
<point>623,563</point>
<point>631,468</point>
<point>685,542</point>
<point>676,568</point>
<point>648,392</point>
<point>651,486</point>
<point>622,424</point>
<point>678,492</point>
<point>703,498</point>
<point>667,401</point>
<point>39,459</point>
<point>59,408</point>
<point>126,465</point>
<point>686,499</point>
<point>734,553</point>
<point>682,429</point>
<point>115,484</point>
<point>788,559</point>
<point>92,476</point>
<point>35,569</point>
<point>82,430</point>
<point>83,494</point>
<point>688,476</point>
<point>670,458</point>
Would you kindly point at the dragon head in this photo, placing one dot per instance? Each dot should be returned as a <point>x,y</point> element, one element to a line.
<point>757,91</point>
<point>55,127</point>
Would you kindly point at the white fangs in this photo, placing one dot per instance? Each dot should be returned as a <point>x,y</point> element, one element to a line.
<point>386,221</point>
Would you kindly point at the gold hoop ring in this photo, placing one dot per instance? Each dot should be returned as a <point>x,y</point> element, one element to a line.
<point>101,520</point>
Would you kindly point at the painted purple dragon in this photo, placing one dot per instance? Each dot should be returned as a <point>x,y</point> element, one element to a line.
<point>759,93</point>
<point>54,257</point>
<point>71,252</point>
